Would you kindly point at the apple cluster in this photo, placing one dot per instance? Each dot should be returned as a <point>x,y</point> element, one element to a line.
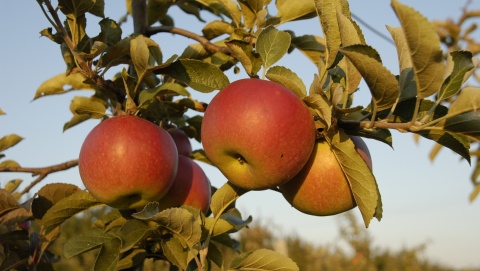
<point>127,162</point>
<point>261,135</point>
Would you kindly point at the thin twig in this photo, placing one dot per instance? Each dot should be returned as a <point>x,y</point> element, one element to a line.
<point>212,48</point>
<point>73,48</point>
<point>42,172</point>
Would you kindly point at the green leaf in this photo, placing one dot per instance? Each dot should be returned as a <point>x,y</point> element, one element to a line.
<point>75,8</point>
<point>288,79</point>
<point>77,29</point>
<point>398,37</point>
<point>250,16</point>
<point>474,193</point>
<point>97,49</point>
<point>258,5</point>
<point>76,119</point>
<point>466,124</point>
<point>12,185</point>
<point>405,109</point>
<point>9,141</point>
<point>263,259</point>
<point>7,202</point>
<point>382,83</point>
<point>201,76</point>
<point>9,164</point>
<point>234,217</point>
<point>232,10</point>
<point>225,197</point>
<point>216,28</point>
<point>109,255</point>
<point>14,216</point>
<point>467,100</point>
<point>47,32</point>
<point>424,47</point>
<point>200,155</point>
<point>49,195</point>
<point>302,9</point>
<point>168,87</point>
<point>180,222</point>
<point>177,253</point>
<point>327,13</point>
<point>462,64</point>
<point>132,232</point>
<point>362,182</point>
<point>148,211</point>
<point>190,8</point>
<point>321,106</point>
<point>61,84</point>
<point>243,51</point>
<point>140,54</point>
<point>134,258</point>
<point>406,80</point>
<point>110,33</point>
<point>228,222</point>
<point>455,142</point>
<point>98,8</point>
<point>91,106</point>
<point>311,46</point>
<point>272,45</point>
<point>117,54</point>
<point>350,34</point>
<point>85,241</point>
<point>66,208</point>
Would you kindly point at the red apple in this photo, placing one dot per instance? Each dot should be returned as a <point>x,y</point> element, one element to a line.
<point>321,188</point>
<point>184,146</point>
<point>258,133</point>
<point>191,187</point>
<point>127,162</point>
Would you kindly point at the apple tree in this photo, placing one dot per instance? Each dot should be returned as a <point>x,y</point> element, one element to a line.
<point>431,96</point>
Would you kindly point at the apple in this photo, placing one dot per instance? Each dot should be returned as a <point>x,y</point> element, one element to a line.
<point>184,146</point>
<point>127,162</point>
<point>321,188</point>
<point>191,187</point>
<point>258,133</point>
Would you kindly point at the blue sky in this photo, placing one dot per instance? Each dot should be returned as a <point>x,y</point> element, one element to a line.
<point>423,202</point>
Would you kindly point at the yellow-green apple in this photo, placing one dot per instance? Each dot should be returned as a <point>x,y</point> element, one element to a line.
<point>258,133</point>
<point>321,188</point>
<point>184,146</point>
<point>191,187</point>
<point>127,162</point>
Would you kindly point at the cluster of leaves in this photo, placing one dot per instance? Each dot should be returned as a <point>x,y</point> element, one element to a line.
<point>183,237</point>
<point>458,35</point>
<point>245,36</point>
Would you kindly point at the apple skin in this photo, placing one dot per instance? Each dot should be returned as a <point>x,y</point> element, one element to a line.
<point>258,133</point>
<point>127,162</point>
<point>321,188</point>
<point>191,187</point>
<point>184,146</point>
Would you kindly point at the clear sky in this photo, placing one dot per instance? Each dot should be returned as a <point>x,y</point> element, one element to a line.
<point>423,202</point>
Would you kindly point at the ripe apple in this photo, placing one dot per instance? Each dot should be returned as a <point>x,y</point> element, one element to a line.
<point>191,187</point>
<point>184,146</point>
<point>321,188</point>
<point>258,133</point>
<point>127,162</point>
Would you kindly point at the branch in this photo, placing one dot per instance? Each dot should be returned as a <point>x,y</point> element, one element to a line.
<point>57,24</point>
<point>139,14</point>
<point>212,48</point>
<point>42,172</point>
